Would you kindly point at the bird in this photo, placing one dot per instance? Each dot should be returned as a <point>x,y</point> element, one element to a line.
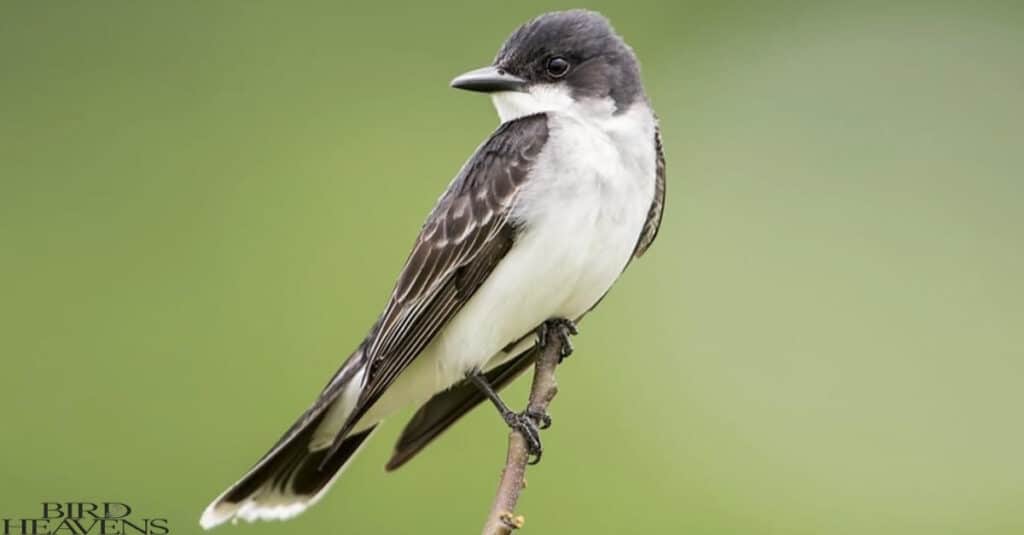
<point>529,236</point>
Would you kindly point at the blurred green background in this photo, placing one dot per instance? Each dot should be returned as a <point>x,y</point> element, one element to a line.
<point>203,206</point>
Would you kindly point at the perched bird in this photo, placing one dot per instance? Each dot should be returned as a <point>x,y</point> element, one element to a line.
<point>531,233</point>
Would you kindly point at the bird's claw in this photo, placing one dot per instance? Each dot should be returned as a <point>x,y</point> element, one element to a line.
<point>565,329</point>
<point>543,419</point>
<point>526,425</point>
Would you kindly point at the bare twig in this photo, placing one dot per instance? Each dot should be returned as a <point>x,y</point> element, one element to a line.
<point>502,518</point>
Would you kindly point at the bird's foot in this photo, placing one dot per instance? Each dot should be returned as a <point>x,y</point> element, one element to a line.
<point>526,425</point>
<point>564,329</point>
<point>543,419</point>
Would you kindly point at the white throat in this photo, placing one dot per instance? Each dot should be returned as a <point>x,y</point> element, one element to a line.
<point>542,98</point>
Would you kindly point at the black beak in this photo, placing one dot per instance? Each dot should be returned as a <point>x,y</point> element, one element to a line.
<point>489,80</point>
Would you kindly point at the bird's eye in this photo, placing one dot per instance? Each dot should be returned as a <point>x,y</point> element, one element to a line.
<point>557,67</point>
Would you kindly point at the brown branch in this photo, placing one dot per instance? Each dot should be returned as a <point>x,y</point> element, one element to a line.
<point>502,518</point>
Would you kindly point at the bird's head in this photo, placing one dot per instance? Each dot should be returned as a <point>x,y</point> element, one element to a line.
<point>566,60</point>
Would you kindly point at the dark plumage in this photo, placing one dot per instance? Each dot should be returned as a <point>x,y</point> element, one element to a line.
<point>601,63</point>
<point>464,238</point>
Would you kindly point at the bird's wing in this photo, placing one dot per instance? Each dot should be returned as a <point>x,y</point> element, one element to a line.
<point>445,408</point>
<point>650,230</point>
<point>463,239</point>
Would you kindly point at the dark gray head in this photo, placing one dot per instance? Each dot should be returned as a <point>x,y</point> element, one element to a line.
<point>577,50</point>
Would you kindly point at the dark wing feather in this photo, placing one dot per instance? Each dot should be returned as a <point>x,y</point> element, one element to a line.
<point>445,408</point>
<point>464,238</point>
<point>653,223</point>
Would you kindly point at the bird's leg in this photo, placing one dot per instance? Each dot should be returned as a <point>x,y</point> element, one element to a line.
<point>564,329</point>
<point>529,422</point>
<point>526,424</point>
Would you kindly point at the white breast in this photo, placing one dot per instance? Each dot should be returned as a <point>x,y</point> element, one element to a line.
<point>585,208</point>
<point>579,217</point>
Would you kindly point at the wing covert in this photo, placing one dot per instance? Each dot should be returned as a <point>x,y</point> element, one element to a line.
<point>465,236</point>
<point>653,223</point>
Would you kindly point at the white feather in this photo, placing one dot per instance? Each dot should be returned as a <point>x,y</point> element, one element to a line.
<point>265,504</point>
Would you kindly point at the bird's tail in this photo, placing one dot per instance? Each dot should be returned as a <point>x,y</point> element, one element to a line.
<point>297,471</point>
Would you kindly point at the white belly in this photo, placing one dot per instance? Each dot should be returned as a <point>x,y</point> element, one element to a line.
<point>580,217</point>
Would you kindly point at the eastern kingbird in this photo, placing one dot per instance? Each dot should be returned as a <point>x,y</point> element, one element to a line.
<point>532,232</point>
